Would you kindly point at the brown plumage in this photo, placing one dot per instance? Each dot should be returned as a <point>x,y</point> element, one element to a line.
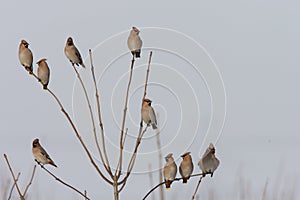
<point>170,170</point>
<point>209,163</point>
<point>25,56</point>
<point>148,114</point>
<point>40,154</point>
<point>72,53</point>
<point>43,72</point>
<point>186,167</point>
<point>134,42</point>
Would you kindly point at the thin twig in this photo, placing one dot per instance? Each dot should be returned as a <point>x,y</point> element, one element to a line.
<point>61,181</point>
<point>193,197</point>
<point>14,178</point>
<point>99,112</point>
<point>176,179</point>
<point>119,169</point>
<point>79,137</point>
<point>76,133</point>
<point>13,186</point>
<point>125,136</point>
<point>132,160</point>
<point>153,189</point>
<point>147,75</point>
<point>92,119</point>
<point>30,182</point>
<point>141,132</point>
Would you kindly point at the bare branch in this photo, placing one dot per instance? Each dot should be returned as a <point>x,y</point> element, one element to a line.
<point>193,197</point>
<point>13,186</point>
<point>61,181</point>
<point>126,131</point>
<point>79,137</point>
<point>141,132</point>
<point>147,76</point>
<point>14,178</point>
<point>119,169</point>
<point>30,182</point>
<point>176,179</point>
<point>125,136</point>
<point>99,112</point>
<point>76,133</point>
<point>153,189</point>
<point>133,157</point>
<point>92,119</point>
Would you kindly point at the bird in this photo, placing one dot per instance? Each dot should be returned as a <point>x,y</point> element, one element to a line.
<point>209,163</point>
<point>43,72</point>
<point>170,170</point>
<point>148,114</point>
<point>72,53</point>
<point>134,42</point>
<point>25,56</point>
<point>186,167</point>
<point>40,154</point>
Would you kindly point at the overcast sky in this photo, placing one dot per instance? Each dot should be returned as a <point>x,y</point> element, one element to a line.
<point>232,60</point>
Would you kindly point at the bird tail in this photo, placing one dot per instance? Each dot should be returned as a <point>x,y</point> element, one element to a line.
<point>82,65</point>
<point>168,185</point>
<point>184,180</point>
<point>29,69</point>
<point>138,54</point>
<point>45,87</point>
<point>154,126</point>
<point>52,163</point>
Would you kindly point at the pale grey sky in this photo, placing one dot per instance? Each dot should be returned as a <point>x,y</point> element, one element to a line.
<point>255,46</point>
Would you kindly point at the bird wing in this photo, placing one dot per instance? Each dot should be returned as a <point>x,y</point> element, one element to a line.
<point>153,116</point>
<point>44,153</point>
<point>180,170</point>
<point>217,162</point>
<point>140,43</point>
<point>78,55</point>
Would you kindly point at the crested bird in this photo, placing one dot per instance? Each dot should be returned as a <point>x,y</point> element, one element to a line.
<point>209,163</point>
<point>134,42</point>
<point>148,114</point>
<point>72,53</point>
<point>170,170</point>
<point>43,72</point>
<point>40,154</point>
<point>186,167</point>
<point>25,56</point>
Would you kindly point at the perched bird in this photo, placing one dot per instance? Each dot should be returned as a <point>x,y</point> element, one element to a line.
<point>186,167</point>
<point>148,114</point>
<point>170,170</point>
<point>40,154</point>
<point>25,56</point>
<point>134,42</point>
<point>72,53</point>
<point>209,163</point>
<point>43,72</point>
